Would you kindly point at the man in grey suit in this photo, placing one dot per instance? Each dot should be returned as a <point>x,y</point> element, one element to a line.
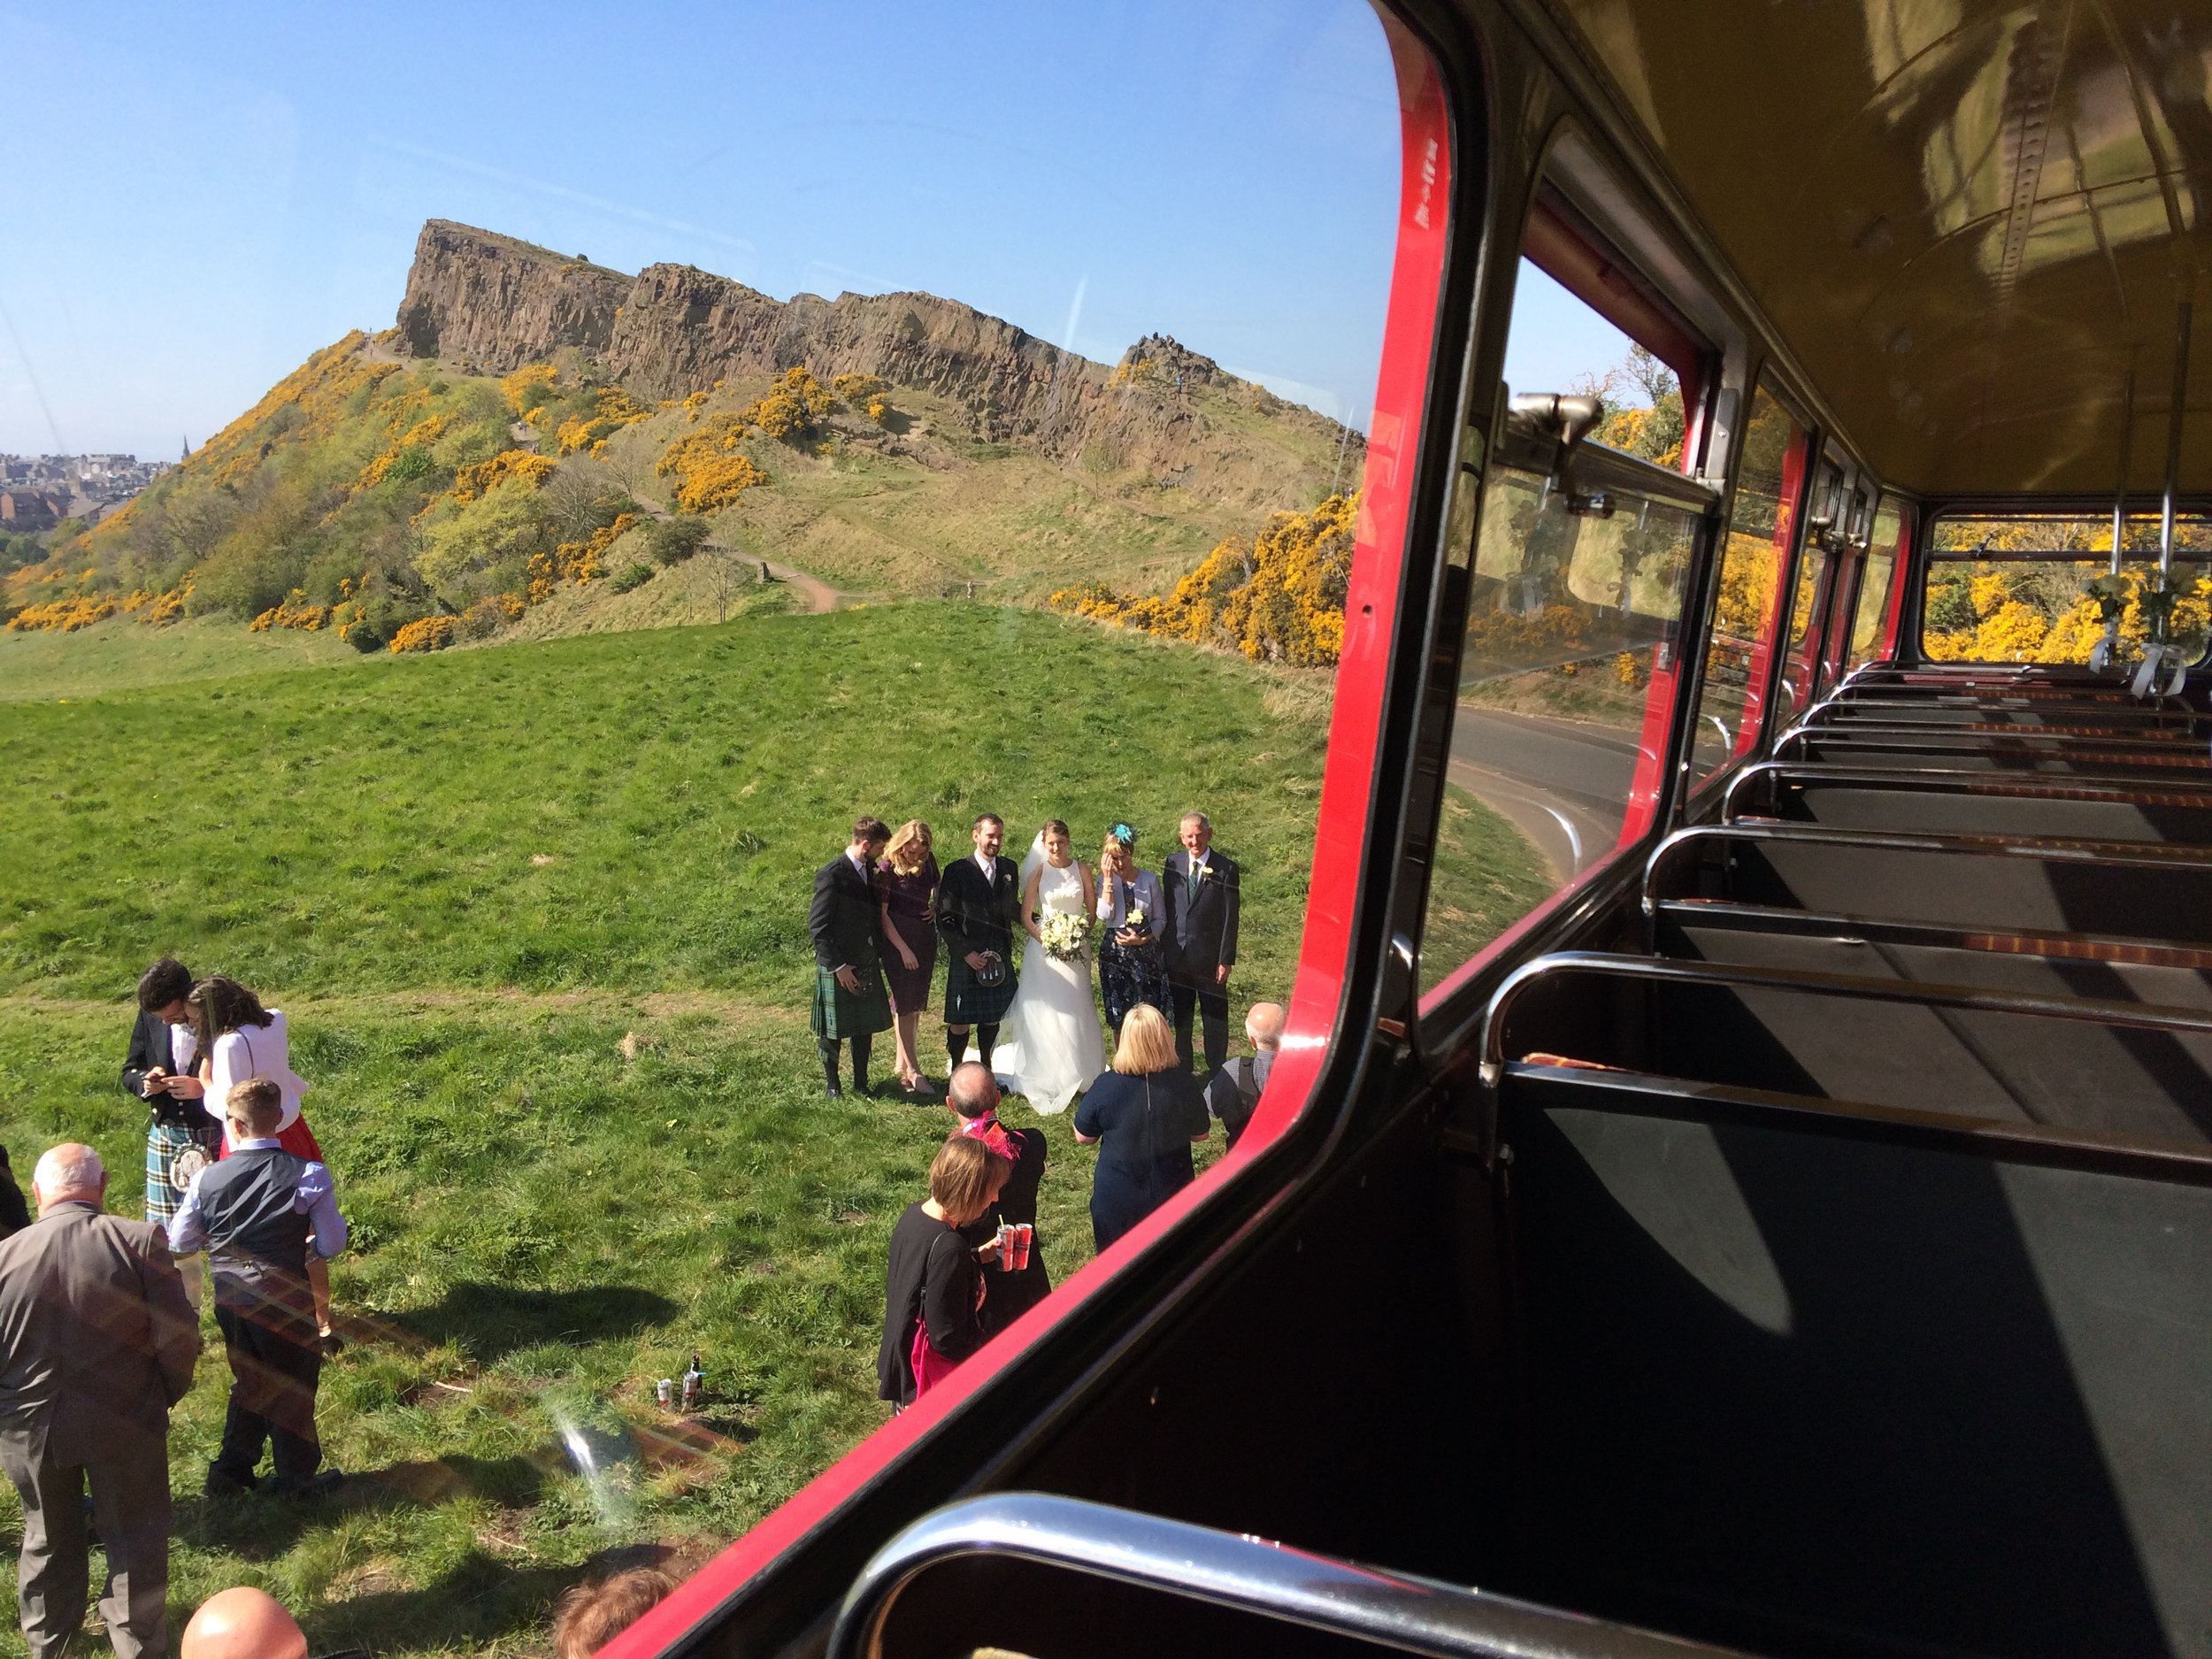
<point>96,1342</point>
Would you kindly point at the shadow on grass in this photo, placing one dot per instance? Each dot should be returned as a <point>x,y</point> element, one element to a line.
<point>490,1321</point>
<point>256,1528</point>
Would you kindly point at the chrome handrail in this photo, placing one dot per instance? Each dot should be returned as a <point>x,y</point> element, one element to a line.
<point>2087,1010</point>
<point>2077,786</point>
<point>2145,854</point>
<point>1244,1573</point>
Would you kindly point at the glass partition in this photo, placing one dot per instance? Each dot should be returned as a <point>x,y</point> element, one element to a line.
<point>1876,586</point>
<point>1567,673</point>
<point>1731,690</point>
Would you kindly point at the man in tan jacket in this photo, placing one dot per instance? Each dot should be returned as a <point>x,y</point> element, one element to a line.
<point>96,1342</point>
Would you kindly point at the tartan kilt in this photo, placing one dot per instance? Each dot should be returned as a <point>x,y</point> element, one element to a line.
<point>163,1143</point>
<point>969,1003</point>
<point>840,1013</point>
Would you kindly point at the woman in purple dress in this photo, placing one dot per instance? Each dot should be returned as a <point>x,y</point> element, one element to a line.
<point>907,880</point>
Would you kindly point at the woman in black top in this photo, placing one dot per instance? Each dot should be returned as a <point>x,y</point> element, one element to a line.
<point>935,1287</point>
<point>974,1094</point>
<point>1145,1112</point>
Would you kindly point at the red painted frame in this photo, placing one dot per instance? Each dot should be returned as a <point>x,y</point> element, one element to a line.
<point>1355,740</point>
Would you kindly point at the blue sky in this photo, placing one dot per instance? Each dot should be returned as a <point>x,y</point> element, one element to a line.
<point>220,189</point>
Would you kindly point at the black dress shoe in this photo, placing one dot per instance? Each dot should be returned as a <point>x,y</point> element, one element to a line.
<point>221,1484</point>
<point>836,1093</point>
<point>313,1486</point>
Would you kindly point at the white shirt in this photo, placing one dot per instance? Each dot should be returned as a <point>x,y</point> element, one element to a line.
<point>184,1047</point>
<point>987,863</point>
<point>1195,863</point>
<point>246,1052</point>
<point>858,862</point>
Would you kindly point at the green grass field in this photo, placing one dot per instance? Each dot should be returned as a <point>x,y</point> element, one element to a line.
<point>537,913</point>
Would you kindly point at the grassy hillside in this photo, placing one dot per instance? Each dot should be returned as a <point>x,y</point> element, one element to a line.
<point>636,812</point>
<point>537,914</point>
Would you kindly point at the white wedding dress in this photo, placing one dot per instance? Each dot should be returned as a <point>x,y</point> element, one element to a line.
<point>1049,1045</point>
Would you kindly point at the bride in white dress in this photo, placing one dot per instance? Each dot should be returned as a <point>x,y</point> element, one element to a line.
<point>1050,1046</point>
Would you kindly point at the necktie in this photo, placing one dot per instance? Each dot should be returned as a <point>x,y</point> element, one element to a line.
<point>1190,887</point>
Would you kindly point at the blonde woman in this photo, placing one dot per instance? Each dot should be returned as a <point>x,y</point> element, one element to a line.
<point>1142,1115</point>
<point>906,878</point>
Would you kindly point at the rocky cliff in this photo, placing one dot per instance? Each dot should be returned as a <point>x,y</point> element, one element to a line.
<point>474,295</point>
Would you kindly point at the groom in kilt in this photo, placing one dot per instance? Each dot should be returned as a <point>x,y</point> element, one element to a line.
<point>850,998</point>
<point>979,906</point>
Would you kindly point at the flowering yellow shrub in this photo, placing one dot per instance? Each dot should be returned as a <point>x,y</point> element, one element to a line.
<point>425,634</point>
<point>1138,371</point>
<point>614,409</point>
<point>295,612</point>
<point>472,481</point>
<point>63,616</point>
<point>536,378</point>
<point>710,473</point>
<point>1281,599</point>
<point>791,408</point>
<point>423,432</point>
<point>166,607</point>
<point>576,560</point>
<point>2009,628</point>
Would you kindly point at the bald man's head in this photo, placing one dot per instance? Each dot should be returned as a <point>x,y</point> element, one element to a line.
<point>1263,1025</point>
<point>242,1624</point>
<point>68,1174</point>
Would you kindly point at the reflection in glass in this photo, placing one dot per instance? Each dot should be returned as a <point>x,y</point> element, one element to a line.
<point>1733,691</point>
<point>1882,559</point>
<point>1566,684</point>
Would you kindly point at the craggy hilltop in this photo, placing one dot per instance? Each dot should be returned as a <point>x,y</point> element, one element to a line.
<point>538,438</point>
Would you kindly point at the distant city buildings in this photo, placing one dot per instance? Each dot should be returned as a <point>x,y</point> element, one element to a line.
<point>38,491</point>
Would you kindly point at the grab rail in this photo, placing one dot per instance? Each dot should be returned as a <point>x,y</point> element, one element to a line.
<point>2086,1010</point>
<point>2080,786</point>
<point>1242,1573</point>
<point>2153,855</point>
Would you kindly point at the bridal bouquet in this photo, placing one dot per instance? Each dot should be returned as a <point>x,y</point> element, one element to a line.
<point>1065,936</point>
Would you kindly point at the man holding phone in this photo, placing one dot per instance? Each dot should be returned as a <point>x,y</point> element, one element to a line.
<point>158,1070</point>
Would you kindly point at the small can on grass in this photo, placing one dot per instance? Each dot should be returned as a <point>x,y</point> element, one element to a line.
<point>664,1390</point>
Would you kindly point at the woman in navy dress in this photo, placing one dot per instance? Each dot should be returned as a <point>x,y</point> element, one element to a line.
<point>907,880</point>
<point>1142,1115</point>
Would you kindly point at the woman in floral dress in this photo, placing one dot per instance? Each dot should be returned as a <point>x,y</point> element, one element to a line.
<point>1131,968</point>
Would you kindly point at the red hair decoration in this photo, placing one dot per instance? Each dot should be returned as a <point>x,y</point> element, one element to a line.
<point>992,1134</point>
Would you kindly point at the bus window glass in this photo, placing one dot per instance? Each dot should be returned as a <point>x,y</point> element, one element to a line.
<point>1732,690</point>
<point>2035,588</point>
<point>1882,559</point>
<point>856,589</point>
<point>1566,681</point>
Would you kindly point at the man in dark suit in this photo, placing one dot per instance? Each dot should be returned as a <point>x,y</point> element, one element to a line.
<point>979,906</point>
<point>155,1073</point>
<point>850,1000</point>
<point>1200,937</point>
<point>96,1343</point>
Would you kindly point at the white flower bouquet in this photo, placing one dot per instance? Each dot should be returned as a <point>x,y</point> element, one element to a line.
<point>1065,936</point>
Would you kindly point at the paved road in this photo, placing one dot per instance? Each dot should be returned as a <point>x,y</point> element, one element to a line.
<point>1562,783</point>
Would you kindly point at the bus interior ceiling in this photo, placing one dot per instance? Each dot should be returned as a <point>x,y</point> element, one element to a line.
<point>1799,1237</point>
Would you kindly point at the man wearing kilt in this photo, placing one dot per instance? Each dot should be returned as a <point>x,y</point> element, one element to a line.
<point>158,1070</point>
<point>978,905</point>
<point>850,1000</point>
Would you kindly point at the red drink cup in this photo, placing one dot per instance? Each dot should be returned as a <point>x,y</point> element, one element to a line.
<point>1025,1234</point>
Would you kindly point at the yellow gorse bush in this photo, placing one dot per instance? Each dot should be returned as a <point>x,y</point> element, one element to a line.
<point>481,478</point>
<point>2010,629</point>
<point>576,560</point>
<point>614,410</point>
<point>425,634</point>
<point>1281,599</point>
<point>295,612</point>
<point>710,471</point>
<point>63,616</point>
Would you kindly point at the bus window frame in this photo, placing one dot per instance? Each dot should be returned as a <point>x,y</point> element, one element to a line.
<point>1442,1014</point>
<point>1754,737</point>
